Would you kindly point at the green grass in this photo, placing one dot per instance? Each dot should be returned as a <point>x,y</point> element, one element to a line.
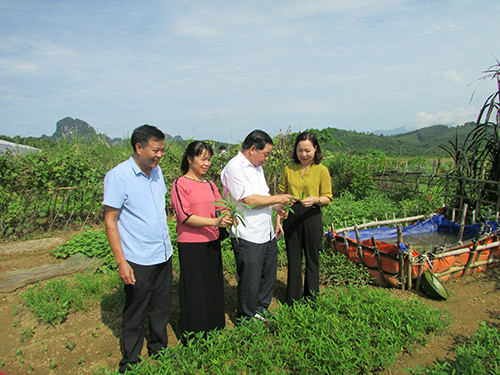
<point>352,330</point>
<point>477,356</point>
<point>52,301</point>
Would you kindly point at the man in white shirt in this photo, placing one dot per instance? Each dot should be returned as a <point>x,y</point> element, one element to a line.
<point>255,249</point>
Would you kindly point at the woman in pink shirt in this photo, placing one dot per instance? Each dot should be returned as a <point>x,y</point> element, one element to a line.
<point>201,285</point>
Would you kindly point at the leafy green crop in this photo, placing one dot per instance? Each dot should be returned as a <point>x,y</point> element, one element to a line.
<point>343,331</point>
<point>231,208</point>
<point>92,244</point>
<point>337,270</point>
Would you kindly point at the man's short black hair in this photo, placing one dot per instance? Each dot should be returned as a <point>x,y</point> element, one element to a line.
<point>257,138</point>
<point>144,133</point>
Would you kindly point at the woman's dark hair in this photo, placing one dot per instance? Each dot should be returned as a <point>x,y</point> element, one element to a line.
<point>144,133</point>
<point>307,136</point>
<point>195,148</point>
<point>257,138</point>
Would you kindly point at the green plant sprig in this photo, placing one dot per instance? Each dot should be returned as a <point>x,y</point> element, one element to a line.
<point>288,207</point>
<point>231,204</point>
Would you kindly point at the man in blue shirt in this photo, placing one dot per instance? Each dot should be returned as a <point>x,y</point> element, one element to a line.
<point>136,226</point>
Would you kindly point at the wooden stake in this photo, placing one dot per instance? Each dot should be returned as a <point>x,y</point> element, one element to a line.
<point>462,223</point>
<point>401,259</point>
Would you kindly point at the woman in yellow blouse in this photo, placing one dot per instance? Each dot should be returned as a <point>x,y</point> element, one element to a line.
<point>306,178</point>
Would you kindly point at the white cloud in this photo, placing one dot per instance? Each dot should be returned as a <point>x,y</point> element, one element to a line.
<point>457,116</point>
<point>189,28</point>
<point>18,66</point>
<point>320,7</point>
<point>437,28</point>
<point>451,75</point>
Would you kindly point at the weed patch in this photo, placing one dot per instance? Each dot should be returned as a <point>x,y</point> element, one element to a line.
<point>51,302</point>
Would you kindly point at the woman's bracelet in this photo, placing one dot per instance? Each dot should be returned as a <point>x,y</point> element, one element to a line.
<point>319,202</point>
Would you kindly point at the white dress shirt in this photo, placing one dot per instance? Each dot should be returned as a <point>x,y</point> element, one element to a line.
<point>242,179</point>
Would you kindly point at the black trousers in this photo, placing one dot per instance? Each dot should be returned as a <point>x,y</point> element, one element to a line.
<point>303,235</point>
<point>256,265</point>
<point>201,286</point>
<point>149,298</point>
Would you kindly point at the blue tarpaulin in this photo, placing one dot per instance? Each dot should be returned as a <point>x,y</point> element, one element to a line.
<point>437,223</point>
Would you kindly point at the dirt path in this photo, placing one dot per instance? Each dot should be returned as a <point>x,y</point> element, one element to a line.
<point>473,299</point>
<point>87,341</point>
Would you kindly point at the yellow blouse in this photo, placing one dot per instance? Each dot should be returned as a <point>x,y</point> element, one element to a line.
<point>315,182</point>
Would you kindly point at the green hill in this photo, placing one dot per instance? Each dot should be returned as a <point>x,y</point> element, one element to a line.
<point>422,142</point>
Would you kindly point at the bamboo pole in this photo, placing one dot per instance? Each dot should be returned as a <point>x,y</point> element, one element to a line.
<point>467,250</point>
<point>409,257</point>
<point>472,254</point>
<point>379,223</point>
<point>346,244</point>
<point>419,276</point>
<point>358,244</point>
<point>462,223</point>
<point>377,255</point>
<point>401,259</point>
<point>475,265</point>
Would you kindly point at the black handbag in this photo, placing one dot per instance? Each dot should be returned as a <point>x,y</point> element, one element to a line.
<point>223,234</point>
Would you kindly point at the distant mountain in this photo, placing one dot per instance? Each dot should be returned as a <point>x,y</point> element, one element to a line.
<point>422,142</point>
<point>69,128</point>
<point>400,130</point>
<point>405,129</point>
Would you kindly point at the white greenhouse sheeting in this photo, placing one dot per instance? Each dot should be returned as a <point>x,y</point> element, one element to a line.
<point>15,148</point>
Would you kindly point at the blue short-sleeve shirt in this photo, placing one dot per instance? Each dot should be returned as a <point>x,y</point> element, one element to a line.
<point>142,220</point>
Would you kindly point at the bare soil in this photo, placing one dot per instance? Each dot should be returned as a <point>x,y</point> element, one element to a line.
<point>89,340</point>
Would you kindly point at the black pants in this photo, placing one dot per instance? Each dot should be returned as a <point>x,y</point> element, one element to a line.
<point>303,234</point>
<point>149,298</point>
<point>256,265</point>
<point>201,286</point>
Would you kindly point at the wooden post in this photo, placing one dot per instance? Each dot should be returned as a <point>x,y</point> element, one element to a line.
<point>419,277</point>
<point>401,258</point>
<point>346,243</point>
<point>409,259</point>
<point>358,240</point>
<point>472,255</point>
<point>377,256</point>
<point>462,223</point>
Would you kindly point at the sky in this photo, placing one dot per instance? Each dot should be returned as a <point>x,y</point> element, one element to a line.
<point>217,70</point>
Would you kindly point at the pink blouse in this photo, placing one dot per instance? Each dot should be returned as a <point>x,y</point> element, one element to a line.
<point>190,197</point>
